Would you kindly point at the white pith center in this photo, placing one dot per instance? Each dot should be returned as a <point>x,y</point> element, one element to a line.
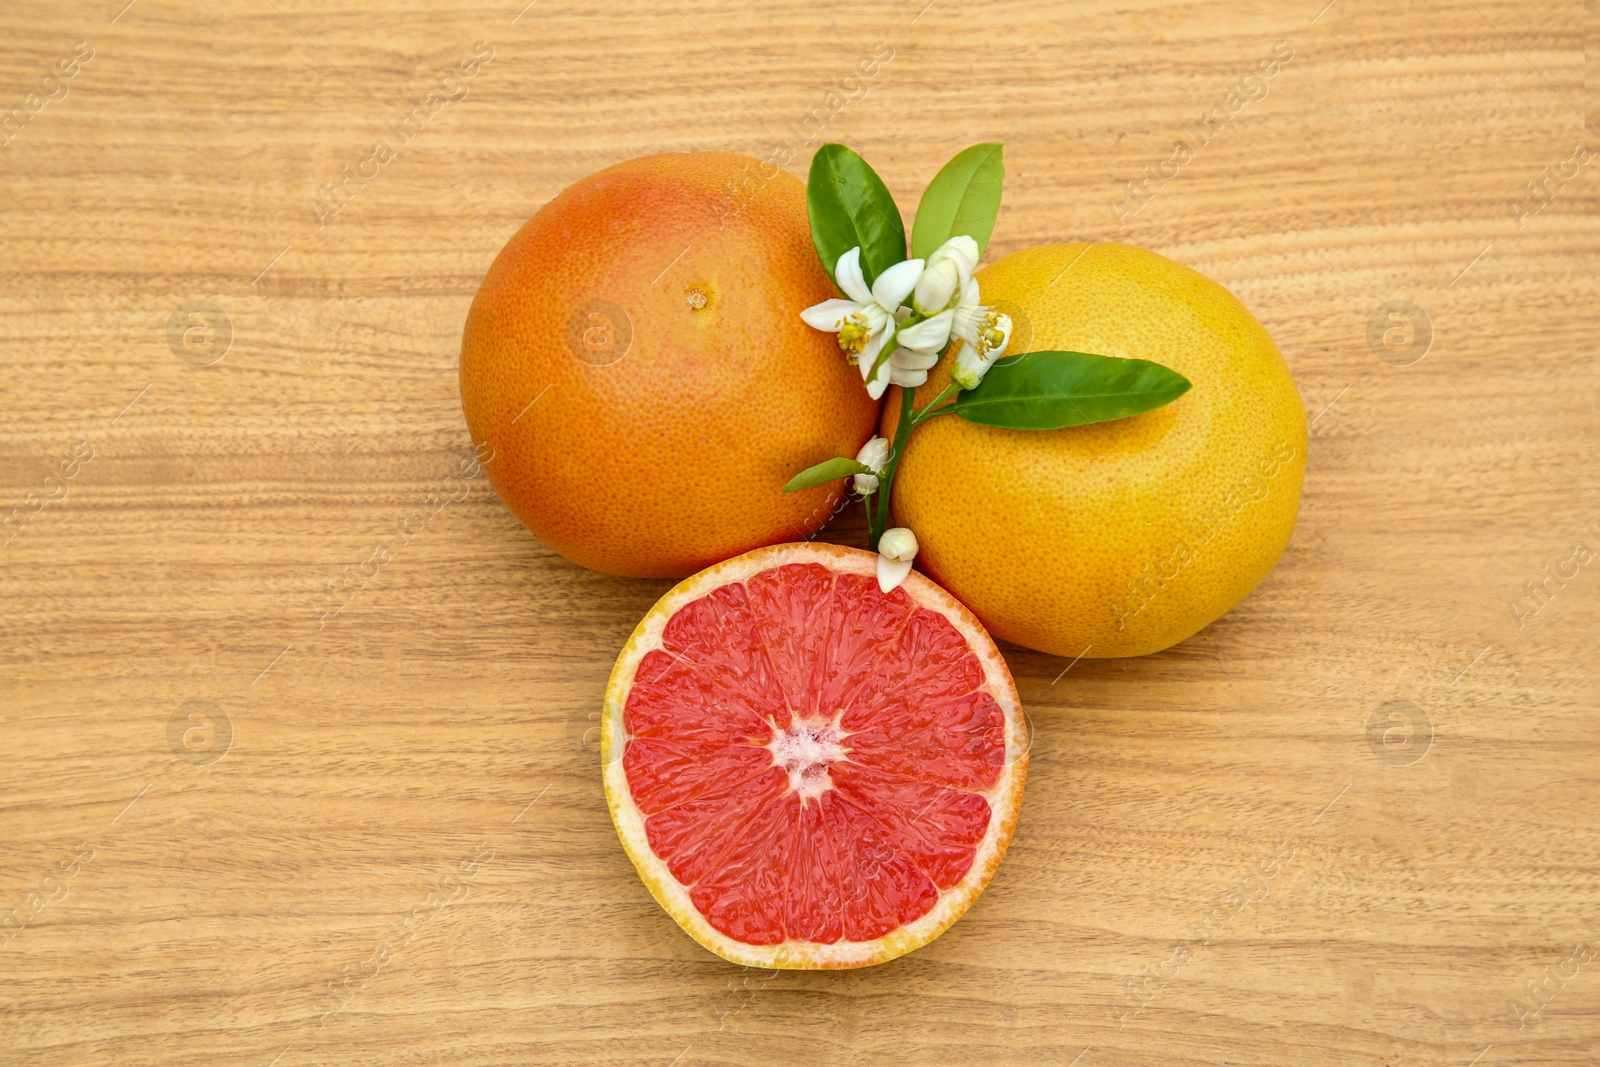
<point>805,751</point>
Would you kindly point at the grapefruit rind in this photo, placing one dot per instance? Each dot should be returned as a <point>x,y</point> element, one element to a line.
<point>1004,797</point>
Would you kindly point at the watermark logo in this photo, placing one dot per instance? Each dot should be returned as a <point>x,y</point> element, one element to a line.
<point>583,735</point>
<point>341,589</point>
<point>199,332</point>
<point>1555,978</point>
<point>450,85</point>
<point>1539,194</point>
<point>55,490</point>
<point>200,733</point>
<point>450,889</point>
<point>1400,333</point>
<point>1252,87</point>
<point>1255,485</point>
<point>51,88</point>
<point>1399,733</point>
<point>1537,595</point>
<point>599,333</point>
<point>1246,889</point>
<point>51,887</point>
<point>847,90</point>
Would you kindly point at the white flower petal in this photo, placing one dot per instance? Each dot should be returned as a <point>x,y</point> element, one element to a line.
<point>907,379</point>
<point>898,543</point>
<point>874,454</point>
<point>967,320</point>
<point>869,354</point>
<point>969,367</point>
<point>960,252</point>
<point>891,573</point>
<point>908,359</point>
<point>897,547</point>
<point>847,272</point>
<point>929,334</point>
<point>830,314</point>
<point>939,284</point>
<point>965,248</point>
<point>896,283</point>
<point>877,383</point>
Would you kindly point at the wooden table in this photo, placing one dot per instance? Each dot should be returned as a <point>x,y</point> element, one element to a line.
<point>228,817</point>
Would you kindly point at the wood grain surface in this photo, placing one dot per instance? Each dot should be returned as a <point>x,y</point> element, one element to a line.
<point>1351,823</point>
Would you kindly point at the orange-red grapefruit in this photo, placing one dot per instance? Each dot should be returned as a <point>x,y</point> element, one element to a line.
<point>636,362</point>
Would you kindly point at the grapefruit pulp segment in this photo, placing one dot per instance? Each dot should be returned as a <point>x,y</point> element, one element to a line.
<point>808,772</point>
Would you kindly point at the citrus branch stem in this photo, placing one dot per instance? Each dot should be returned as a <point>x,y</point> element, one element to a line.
<point>933,409</point>
<point>902,432</point>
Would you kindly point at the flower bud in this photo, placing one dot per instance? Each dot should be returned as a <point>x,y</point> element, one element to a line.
<point>946,276</point>
<point>963,252</point>
<point>937,286</point>
<point>896,549</point>
<point>899,544</point>
<point>874,454</point>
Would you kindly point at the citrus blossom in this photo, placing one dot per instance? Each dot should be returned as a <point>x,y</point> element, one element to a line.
<point>866,322</point>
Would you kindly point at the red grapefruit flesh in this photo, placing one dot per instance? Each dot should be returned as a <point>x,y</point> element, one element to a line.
<point>805,771</point>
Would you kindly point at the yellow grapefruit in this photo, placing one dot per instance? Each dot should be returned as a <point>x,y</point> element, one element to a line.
<point>1120,538</point>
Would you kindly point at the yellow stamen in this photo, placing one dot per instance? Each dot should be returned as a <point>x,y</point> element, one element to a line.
<point>853,335</point>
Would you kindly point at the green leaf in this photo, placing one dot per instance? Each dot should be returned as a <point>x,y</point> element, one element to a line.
<point>849,205</point>
<point>963,198</point>
<point>829,470</point>
<point>1049,390</point>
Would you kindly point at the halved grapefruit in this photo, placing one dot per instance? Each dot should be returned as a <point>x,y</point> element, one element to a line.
<point>807,772</point>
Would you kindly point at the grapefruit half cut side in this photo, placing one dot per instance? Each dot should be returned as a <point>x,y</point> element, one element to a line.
<point>807,772</point>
